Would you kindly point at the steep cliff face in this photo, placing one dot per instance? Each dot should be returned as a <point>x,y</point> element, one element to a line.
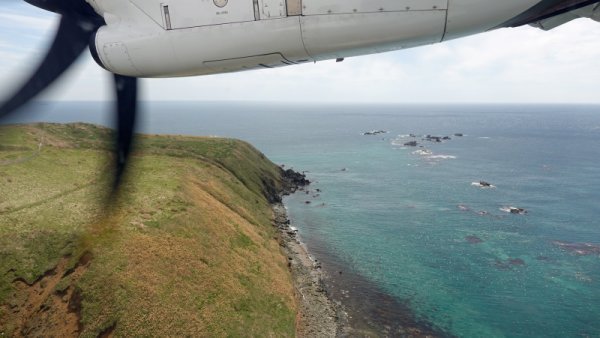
<point>188,249</point>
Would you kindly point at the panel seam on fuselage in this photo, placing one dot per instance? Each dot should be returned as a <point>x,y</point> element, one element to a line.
<point>446,21</point>
<point>302,37</point>
<point>377,12</point>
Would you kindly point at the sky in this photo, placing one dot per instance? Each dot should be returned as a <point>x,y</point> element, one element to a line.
<point>520,65</point>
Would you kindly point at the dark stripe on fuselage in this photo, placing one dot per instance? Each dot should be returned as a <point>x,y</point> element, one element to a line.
<point>546,9</point>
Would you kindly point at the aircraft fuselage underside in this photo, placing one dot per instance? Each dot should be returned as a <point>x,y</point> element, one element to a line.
<point>166,38</point>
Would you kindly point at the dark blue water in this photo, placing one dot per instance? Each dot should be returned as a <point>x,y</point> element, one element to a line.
<point>409,219</point>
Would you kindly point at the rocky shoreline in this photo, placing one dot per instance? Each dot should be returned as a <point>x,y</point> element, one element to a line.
<point>318,315</point>
<point>323,307</point>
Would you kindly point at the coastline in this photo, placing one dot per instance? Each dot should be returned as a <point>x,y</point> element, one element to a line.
<point>318,314</point>
<point>341,306</point>
<point>325,309</point>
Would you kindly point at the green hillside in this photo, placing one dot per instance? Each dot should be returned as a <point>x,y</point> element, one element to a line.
<point>188,249</point>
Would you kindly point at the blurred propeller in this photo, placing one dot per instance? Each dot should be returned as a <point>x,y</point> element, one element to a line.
<point>69,43</point>
<point>126,88</point>
<point>78,24</point>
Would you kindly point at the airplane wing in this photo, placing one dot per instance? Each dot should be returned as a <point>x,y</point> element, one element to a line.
<point>590,11</point>
<point>549,14</point>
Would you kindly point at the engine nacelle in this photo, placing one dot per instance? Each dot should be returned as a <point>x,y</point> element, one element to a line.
<point>200,50</point>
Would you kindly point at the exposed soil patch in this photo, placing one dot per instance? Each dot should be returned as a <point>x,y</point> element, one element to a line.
<point>50,306</point>
<point>109,332</point>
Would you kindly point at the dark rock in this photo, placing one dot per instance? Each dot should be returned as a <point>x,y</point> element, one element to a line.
<point>295,178</point>
<point>375,132</point>
<point>501,265</point>
<point>270,190</point>
<point>516,261</point>
<point>290,182</point>
<point>509,263</point>
<point>459,135</point>
<point>411,144</point>
<point>473,239</point>
<point>519,211</point>
<point>514,210</point>
<point>431,138</point>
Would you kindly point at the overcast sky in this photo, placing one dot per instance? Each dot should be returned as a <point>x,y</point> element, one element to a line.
<point>510,65</point>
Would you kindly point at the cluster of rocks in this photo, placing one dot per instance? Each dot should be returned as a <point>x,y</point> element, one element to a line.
<point>437,139</point>
<point>375,132</point>
<point>430,138</point>
<point>506,264</point>
<point>508,209</point>
<point>314,194</point>
<point>319,315</point>
<point>292,181</point>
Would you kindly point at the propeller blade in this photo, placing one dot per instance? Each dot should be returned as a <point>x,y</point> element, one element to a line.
<point>126,89</point>
<point>71,39</point>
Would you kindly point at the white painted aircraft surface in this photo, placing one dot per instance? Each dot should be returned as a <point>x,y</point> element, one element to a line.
<point>167,38</point>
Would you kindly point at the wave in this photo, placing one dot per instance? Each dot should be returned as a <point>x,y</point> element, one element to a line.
<point>423,152</point>
<point>429,155</point>
<point>441,157</point>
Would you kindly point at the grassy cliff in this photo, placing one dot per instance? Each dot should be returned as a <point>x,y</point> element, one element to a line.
<point>187,250</point>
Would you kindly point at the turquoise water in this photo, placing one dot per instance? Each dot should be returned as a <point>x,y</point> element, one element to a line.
<point>402,220</point>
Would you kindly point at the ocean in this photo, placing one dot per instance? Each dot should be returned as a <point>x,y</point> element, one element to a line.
<point>408,233</point>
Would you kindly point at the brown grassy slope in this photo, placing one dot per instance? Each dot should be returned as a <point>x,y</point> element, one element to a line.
<point>188,250</point>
